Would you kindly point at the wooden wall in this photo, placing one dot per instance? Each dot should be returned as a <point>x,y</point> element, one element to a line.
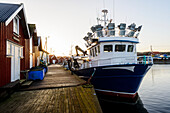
<point>33,59</point>
<point>4,62</point>
<point>6,33</point>
<point>51,59</point>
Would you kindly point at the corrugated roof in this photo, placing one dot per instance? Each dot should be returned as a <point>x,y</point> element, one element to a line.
<point>6,10</point>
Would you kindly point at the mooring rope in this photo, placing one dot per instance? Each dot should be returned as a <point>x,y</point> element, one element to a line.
<point>88,81</point>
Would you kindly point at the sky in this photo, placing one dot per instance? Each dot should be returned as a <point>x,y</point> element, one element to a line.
<point>66,22</point>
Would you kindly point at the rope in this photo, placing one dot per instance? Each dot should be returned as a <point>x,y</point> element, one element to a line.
<point>88,81</point>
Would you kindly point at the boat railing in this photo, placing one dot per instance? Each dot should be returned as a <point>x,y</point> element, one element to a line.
<point>145,59</point>
<point>114,60</point>
<point>123,60</point>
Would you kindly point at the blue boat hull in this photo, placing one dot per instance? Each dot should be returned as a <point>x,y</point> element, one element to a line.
<point>124,79</point>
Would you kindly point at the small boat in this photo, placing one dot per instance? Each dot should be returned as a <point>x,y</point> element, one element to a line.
<point>111,60</point>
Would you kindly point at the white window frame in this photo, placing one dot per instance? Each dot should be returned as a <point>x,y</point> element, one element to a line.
<point>107,45</point>
<point>14,29</point>
<point>98,48</point>
<point>121,45</point>
<point>21,52</point>
<point>31,50</point>
<point>8,47</point>
<point>132,48</point>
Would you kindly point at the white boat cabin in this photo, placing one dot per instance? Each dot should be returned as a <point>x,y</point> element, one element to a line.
<point>110,52</point>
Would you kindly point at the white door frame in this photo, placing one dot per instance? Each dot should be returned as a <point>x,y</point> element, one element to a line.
<point>15,62</point>
<point>31,52</point>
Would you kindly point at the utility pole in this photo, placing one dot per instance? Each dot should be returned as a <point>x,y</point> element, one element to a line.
<point>71,51</point>
<point>151,48</point>
<point>45,46</point>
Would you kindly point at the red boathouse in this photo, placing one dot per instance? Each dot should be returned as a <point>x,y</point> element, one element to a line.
<point>14,42</point>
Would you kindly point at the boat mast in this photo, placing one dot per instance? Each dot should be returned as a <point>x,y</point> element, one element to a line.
<point>105,11</point>
<point>105,19</point>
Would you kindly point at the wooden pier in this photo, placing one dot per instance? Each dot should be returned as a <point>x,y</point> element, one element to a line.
<point>59,92</point>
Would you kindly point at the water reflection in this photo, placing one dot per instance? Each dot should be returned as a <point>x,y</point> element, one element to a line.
<point>154,90</point>
<point>120,105</point>
<point>154,95</point>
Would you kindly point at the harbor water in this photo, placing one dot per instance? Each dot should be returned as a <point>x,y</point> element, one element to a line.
<point>153,94</point>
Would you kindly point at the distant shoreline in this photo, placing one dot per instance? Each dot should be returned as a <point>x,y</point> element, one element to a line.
<point>161,61</point>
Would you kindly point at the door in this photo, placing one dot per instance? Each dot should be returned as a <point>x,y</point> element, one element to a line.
<point>54,61</point>
<point>15,63</point>
<point>31,54</point>
<point>31,60</point>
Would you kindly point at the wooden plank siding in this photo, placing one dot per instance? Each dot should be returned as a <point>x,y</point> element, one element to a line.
<point>6,33</point>
<point>4,62</point>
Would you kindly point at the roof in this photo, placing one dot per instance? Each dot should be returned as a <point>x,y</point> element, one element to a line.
<point>37,40</point>
<point>33,33</point>
<point>9,11</point>
<point>156,52</point>
<point>32,28</point>
<point>6,10</point>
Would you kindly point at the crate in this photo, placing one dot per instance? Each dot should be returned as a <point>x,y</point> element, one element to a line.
<point>36,75</point>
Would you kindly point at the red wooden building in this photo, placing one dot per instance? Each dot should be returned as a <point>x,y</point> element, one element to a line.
<point>14,43</point>
<point>53,59</point>
<point>58,59</point>
<point>36,50</point>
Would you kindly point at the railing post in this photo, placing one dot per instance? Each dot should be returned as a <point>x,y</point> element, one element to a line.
<point>144,59</point>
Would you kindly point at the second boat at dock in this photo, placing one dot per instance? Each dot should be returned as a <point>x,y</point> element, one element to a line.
<point>111,60</point>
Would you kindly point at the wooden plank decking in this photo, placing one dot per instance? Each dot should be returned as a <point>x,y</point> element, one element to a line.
<point>56,77</point>
<point>65,96</point>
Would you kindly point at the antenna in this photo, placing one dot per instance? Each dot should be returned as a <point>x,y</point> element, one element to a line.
<point>113,11</point>
<point>126,19</point>
<point>105,18</point>
<point>151,48</point>
<point>89,21</point>
<point>103,3</point>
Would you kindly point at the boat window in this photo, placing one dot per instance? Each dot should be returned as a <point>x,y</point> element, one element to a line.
<point>98,49</point>
<point>99,34</point>
<point>120,48</point>
<point>90,52</point>
<point>108,48</point>
<point>130,48</point>
<point>93,53</point>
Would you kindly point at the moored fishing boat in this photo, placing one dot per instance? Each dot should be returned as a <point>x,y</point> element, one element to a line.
<point>111,60</point>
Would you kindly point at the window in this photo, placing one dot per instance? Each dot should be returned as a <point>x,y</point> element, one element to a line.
<point>16,25</point>
<point>130,48</point>
<point>120,48</point>
<point>21,52</point>
<point>98,48</point>
<point>90,52</point>
<point>108,48</point>
<point>9,49</point>
<point>96,51</point>
<point>93,53</point>
<point>112,32</point>
<point>99,34</point>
